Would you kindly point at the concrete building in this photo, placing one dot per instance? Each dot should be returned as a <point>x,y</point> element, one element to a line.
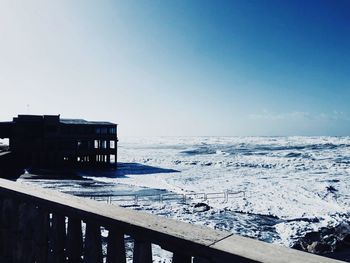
<point>51,142</point>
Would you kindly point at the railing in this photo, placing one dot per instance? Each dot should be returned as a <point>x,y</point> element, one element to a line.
<point>168,197</point>
<point>46,226</point>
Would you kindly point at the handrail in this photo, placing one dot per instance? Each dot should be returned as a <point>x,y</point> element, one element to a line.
<point>136,198</point>
<point>50,224</point>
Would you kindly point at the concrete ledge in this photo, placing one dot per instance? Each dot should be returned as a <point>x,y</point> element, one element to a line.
<point>171,235</point>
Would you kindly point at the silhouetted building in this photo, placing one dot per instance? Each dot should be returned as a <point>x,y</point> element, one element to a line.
<point>51,142</point>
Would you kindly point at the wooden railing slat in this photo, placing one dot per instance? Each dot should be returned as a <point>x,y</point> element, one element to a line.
<point>41,235</point>
<point>181,258</point>
<point>24,246</point>
<point>142,252</point>
<point>159,230</point>
<point>206,260</point>
<point>9,229</point>
<point>59,236</point>
<point>2,228</point>
<point>74,240</point>
<point>116,247</point>
<point>93,243</point>
<point>197,241</point>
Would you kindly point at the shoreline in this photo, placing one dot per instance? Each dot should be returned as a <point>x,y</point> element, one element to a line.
<point>339,254</point>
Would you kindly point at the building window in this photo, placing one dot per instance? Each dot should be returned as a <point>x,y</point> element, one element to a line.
<point>112,158</point>
<point>97,130</point>
<point>103,130</point>
<point>112,144</point>
<point>104,144</point>
<point>79,143</point>
<point>96,144</point>
<point>101,158</point>
<point>111,131</point>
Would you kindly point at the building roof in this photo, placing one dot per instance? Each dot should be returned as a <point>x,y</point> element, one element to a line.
<point>85,122</point>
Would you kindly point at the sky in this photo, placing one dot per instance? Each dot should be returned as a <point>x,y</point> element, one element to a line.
<point>180,68</point>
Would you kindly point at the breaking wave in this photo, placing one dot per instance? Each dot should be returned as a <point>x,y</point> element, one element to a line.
<point>291,185</point>
<point>302,181</point>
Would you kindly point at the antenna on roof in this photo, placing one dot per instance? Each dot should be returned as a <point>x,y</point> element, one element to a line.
<point>27,108</point>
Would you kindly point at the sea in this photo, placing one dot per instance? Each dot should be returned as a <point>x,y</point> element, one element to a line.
<point>274,189</point>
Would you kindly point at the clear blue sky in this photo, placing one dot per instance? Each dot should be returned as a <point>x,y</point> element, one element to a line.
<point>180,67</point>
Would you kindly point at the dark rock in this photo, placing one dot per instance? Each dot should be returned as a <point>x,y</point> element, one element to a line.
<point>343,229</point>
<point>333,241</point>
<point>311,237</point>
<point>201,207</point>
<point>324,231</point>
<point>346,240</point>
<point>326,240</point>
<point>319,248</point>
<point>297,246</point>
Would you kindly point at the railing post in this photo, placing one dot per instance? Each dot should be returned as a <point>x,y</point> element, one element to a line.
<point>226,196</point>
<point>24,246</point>
<point>142,251</point>
<point>2,227</point>
<point>58,238</point>
<point>74,240</point>
<point>116,247</point>
<point>93,243</point>
<point>9,227</point>
<point>181,258</point>
<point>41,235</point>
<point>204,260</point>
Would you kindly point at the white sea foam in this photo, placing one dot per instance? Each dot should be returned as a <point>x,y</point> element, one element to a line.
<point>301,181</point>
<point>292,185</point>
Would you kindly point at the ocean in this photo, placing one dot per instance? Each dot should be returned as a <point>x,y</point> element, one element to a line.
<point>275,189</point>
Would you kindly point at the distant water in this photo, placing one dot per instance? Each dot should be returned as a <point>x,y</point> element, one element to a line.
<point>292,185</point>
